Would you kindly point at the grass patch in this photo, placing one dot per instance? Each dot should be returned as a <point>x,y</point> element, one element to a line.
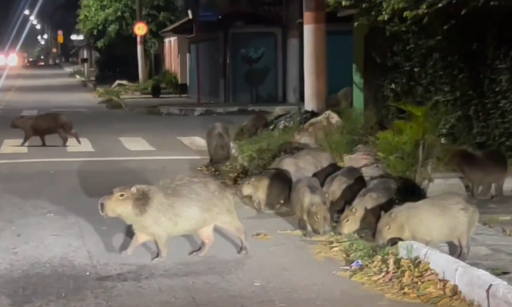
<point>383,270</point>
<point>261,150</point>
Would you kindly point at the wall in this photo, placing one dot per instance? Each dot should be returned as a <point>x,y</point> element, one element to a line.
<point>209,57</point>
<point>176,49</point>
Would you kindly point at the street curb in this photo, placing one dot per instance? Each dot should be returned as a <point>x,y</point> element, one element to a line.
<point>197,111</point>
<point>475,284</point>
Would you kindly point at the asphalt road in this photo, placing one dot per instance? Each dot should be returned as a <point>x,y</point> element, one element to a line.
<point>56,250</point>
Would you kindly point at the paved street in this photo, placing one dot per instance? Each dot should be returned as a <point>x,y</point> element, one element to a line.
<point>57,251</point>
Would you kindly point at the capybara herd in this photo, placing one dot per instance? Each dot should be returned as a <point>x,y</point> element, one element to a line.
<point>306,182</point>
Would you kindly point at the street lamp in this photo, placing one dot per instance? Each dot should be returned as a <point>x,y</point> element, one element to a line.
<point>32,17</point>
<point>34,22</point>
<point>38,27</point>
<point>39,37</point>
<point>45,36</point>
<point>27,12</point>
<point>42,42</point>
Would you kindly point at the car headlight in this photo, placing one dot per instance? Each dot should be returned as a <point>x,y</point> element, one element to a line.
<point>2,60</point>
<point>12,60</point>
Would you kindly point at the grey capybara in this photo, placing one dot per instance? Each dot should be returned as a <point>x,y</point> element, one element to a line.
<point>363,214</point>
<point>304,163</point>
<point>269,189</point>
<point>325,172</point>
<point>309,203</point>
<point>481,169</point>
<point>445,218</point>
<point>343,187</point>
<point>43,125</point>
<point>252,127</point>
<point>218,142</point>
<point>173,208</point>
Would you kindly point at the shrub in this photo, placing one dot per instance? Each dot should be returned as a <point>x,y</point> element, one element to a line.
<point>355,129</point>
<point>261,150</point>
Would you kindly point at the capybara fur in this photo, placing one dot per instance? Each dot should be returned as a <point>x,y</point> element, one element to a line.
<point>364,213</point>
<point>342,188</point>
<point>252,127</point>
<point>173,208</point>
<point>218,142</point>
<point>309,203</point>
<point>446,218</point>
<point>481,169</point>
<point>43,125</point>
<point>326,172</point>
<point>304,163</point>
<point>269,189</point>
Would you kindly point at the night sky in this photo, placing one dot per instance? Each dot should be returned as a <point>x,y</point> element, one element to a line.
<point>59,14</point>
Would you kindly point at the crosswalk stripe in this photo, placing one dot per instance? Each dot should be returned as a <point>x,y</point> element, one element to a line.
<point>29,112</point>
<point>194,142</point>
<point>73,145</point>
<point>13,146</point>
<point>136,144</point>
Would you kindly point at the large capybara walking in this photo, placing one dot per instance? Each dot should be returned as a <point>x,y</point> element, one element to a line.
<point>43,125</point>
<point>173,208</point>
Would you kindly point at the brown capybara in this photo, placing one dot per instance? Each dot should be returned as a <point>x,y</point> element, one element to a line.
<point>326,172</point>
<point>481,169</point>
<point>269,189</point>
<point>43,125</point>
<point>445,218</point>
<point>310,204</point>
<point>176,207</point>
<point>218,142</point>
<point>252,127</point>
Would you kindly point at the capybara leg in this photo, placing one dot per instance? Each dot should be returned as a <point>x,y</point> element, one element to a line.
<point>137,240</point>
<point>454,249</point>
<point>43,140</point>
<point>309,231</point>
<point>486,189</point>
<point>63,137</point>
<point>238,231</point>
<point>498,187</point>
<point>474,188</point>
<point>301,225</point>
<point>207,238</point>
<point>75,135</point>
<point>26,138</point>
<point>163,250</point>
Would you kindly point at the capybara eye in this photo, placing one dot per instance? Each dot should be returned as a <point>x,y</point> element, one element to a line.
<point>121,195</point>
<point>347,220</point>
<point>317,217</point>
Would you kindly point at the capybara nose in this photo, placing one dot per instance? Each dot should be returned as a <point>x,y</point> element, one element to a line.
<point>101,206</point>
<point>328,229</point>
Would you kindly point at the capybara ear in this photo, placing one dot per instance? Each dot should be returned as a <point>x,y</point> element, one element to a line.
<point>353,209</point>
<point>392,215</point>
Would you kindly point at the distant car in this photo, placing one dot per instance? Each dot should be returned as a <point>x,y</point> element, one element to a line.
<point>32,62</point>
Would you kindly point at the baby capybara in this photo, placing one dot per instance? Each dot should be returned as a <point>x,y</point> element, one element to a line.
<point>43,125</point>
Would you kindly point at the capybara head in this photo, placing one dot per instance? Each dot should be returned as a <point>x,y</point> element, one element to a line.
<point>126,203</point>
<point>389,227</point>
<point>461,157</point>
<point>319,217</point>
<point>18,122</point>
<point>350,220</point>
<point>248,187</point>
<point>370,199</point>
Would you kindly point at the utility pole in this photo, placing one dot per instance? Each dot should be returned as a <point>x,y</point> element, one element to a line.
<point>140,45</point>
<point>197,23</point>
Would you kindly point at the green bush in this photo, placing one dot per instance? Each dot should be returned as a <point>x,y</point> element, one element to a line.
<point>261,150</point>
<point>355,129</point>
<point>169,80</point>
<point>413,143</point>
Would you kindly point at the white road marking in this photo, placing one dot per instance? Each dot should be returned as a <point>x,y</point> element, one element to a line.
<point>103,159</point>
<point>73,145</point>
<point>28,112</point>
<point>13,146</point>
<point>194,142</point>
<point>69,110</point>
<point>136,144</point>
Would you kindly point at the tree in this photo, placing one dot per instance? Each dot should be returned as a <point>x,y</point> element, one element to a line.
<point>106,21</point>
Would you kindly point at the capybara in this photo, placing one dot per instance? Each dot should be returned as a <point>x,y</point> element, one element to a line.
<point>445,218</point>
<point>252,127</point>
<point>364,213</point>
<point>218,142</point>
<point>481,169</point>
<point>43,125</point>
<point>304,163</point>
<point>176,207</point>
<point>325,172</point>
<point>310,202</point>
<point>269,189</point>
<point>342,188</point>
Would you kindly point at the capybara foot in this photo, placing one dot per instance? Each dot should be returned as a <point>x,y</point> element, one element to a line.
<point>243,250</point>
<point>157,258</point>
<point>197,252</point>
